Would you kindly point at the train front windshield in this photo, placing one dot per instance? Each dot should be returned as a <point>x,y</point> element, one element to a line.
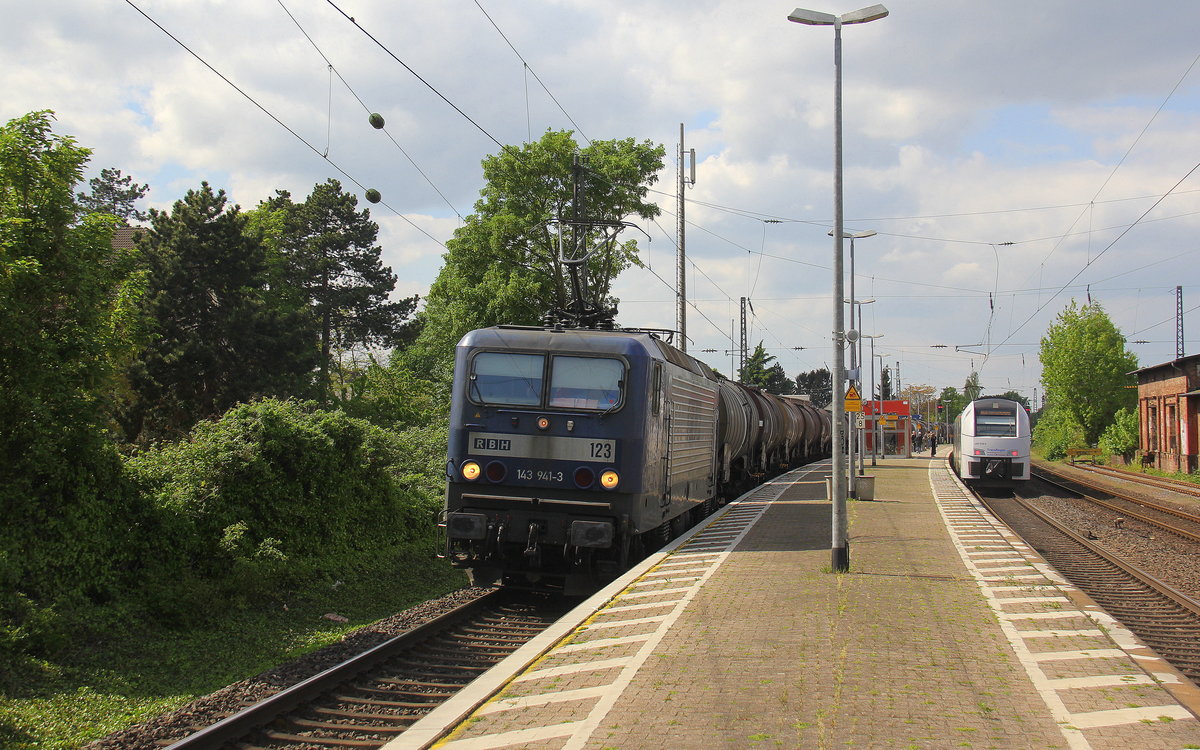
<point>995,423</point>
<point>509,379</point>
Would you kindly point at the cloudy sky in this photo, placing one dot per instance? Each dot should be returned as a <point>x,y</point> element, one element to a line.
<point>1011,156</point>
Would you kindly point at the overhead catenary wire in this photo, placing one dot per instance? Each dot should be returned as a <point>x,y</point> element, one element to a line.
<point>1108,247</point>
<point>278,121</point>
<point>1116,168</point>
<point>334,71</point>
<point>415,74</point>
<point>529,70</point>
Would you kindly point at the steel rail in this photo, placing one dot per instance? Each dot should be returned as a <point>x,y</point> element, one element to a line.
<point>1044,474</point>
<point>263,712</point>
<point>1148,579</point>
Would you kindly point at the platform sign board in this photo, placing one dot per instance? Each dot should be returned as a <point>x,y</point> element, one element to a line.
<point>853,400</point>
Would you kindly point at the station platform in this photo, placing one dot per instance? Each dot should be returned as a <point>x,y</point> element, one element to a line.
<point>947,632</point>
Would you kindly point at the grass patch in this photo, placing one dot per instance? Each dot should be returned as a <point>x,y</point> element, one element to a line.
<point>132,671</point>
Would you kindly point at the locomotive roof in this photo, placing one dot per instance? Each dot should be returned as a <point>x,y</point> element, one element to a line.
<point>575,340</point>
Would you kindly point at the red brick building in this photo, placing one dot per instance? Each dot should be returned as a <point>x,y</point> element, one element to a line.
<point>1168,401</point>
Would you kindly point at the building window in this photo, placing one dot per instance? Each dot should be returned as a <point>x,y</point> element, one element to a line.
<point>1151,427</point>
<point>1172,430</point>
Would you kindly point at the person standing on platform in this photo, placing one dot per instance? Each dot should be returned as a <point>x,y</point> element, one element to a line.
<point>933,445</point>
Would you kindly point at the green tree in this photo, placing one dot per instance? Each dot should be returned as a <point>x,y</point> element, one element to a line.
<point>971,388</point>
<point>113,194</point>
<point>1086,368</point>
<point>1056,432</point>
<point>754,372</point>
<point>818,385</point>
<point>778,382</point>
<point>218,341</point>
<point>1011,396</point>
<point>504,265</point>
<point>952,402</point>
<point>885,385</point>
<point>761,370</point>
<point>330,262</point>
<point>66,323</point>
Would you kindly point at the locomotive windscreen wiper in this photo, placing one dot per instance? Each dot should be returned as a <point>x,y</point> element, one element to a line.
<point>620,399</point>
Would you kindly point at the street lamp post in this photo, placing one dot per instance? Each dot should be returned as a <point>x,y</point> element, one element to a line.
<point>875,411</point>
<point>877,422</point>
<point>855,450</point>
<point>856,365</point>
<point>840,552</point>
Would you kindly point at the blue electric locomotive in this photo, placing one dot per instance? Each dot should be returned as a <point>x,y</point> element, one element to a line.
<point>573,450</point>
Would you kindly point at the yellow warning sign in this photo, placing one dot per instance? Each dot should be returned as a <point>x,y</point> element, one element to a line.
<point>853,399</point>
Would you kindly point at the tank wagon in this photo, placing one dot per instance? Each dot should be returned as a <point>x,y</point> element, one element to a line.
<point>571,451</point>
<point>991,442</point>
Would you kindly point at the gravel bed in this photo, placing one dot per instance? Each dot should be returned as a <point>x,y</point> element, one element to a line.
<point>155,733</point>
<point>1174,560</point>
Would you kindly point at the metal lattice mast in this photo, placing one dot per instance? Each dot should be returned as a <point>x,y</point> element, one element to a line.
<point>1179,322</point>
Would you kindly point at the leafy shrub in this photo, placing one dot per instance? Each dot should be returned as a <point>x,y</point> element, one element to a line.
<point>277,488</point>
<point>1056,432</point>
<point>394,398</point>
<point>1121,438</point>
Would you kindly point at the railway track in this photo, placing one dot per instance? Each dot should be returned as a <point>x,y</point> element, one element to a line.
<point>367,701</point>
<point>1158,515</point>
<point>1149,480</point>
<point>1165,619</point>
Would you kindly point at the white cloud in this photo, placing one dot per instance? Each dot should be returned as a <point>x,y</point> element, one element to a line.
<point>957,123</point>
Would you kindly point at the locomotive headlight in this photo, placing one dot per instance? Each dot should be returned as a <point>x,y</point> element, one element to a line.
<point>496,471</point>
<point>609,479</point>
<point>543,423</point>
<point>470,471</point>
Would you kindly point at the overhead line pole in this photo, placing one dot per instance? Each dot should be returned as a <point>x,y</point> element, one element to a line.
<point>680,224</point>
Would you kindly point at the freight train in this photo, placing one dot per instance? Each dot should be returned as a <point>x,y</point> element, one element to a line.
<point>991,442</point>
<point>572,451</point>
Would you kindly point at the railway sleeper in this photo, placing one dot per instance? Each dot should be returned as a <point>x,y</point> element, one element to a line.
<point>361,716</point>
<point>485,640</point>
<point>411,683</point>
<point>320,741</point>
<point>485,634</point>
<point>329,726</point>
<point>419,705</point>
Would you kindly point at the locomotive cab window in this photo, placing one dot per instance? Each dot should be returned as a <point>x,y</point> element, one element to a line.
<point>586,382</point>
<point>506,378</point>
<point>995,423</point>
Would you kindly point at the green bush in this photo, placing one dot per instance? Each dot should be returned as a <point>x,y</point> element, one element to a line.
<point>1056,432</point>
<point>277,488</point>
<point>73,530</point>
<point>1121,438</point>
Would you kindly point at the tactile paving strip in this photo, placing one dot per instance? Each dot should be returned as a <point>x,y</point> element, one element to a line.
<point>561,699</point>
<point>1080,659</point>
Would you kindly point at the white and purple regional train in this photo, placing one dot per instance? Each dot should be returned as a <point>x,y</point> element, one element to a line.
<point>991,442</point>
